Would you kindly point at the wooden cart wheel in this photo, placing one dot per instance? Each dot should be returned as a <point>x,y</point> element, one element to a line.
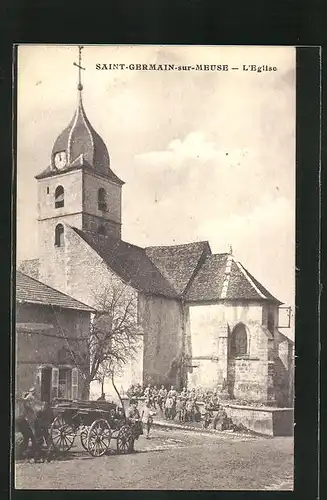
<point>83,436</point>
<point>98,438</point>
<point>125,440</point>
<point>62,434</point>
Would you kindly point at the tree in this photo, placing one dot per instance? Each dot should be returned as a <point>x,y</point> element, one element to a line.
<point>114,334</point>
<point>108,369</point>
<point>103,373</point>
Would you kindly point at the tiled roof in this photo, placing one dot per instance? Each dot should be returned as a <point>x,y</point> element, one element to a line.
<point>222,277</point>
<point>130,263</point>
<point>208,283</point>
<point>30,267</point>
<point>178,263</point>
<point>173,271</point>
<point>243,285</point>
<point>31,290</point>
<point>79,137</point>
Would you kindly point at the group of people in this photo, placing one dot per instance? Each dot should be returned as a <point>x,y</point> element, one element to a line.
<point>183,404</point>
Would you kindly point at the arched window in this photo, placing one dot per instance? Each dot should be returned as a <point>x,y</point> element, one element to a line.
<point>102,205</point>
<point>59,236</point>
<point>102,230</point>
<point>239,342</point>
<point>59,197</point>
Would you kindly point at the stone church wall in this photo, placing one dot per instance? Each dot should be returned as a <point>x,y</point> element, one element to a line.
<point>203,345</point>
<point>161,319</point>
<point>87,278</point>
<point>248,379</point>
<point>87,275</point>
<point>53,259</point>
<point>210,327</point>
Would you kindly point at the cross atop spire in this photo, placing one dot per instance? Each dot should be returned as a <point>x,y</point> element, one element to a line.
<point>79,66</point>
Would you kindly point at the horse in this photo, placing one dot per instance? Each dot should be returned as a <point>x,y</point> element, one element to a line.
<point>32,421</point>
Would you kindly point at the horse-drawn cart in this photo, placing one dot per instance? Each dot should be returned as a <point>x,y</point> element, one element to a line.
<point>97,423</point>
<point>54,428</point>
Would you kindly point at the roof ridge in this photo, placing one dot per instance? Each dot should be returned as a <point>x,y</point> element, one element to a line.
<point>178,245</point>
<point>164,277</point>
<point>270,295</point>
<point>109,236</point>
<point>228,264</point>
<point>203,257</point>
<point>219,254</point>
<point>54,289</point>
<point>246,274</point>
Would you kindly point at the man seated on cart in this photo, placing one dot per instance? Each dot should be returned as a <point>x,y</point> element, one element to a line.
<point>102,397</point>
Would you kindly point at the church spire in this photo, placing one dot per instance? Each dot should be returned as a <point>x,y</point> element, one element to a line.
<point>80,67</point>
<point>79,145</point>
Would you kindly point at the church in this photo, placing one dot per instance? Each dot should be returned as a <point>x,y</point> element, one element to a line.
<point>205,320</point>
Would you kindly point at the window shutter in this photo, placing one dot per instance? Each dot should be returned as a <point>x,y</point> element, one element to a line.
<point>38,383</point>
<point>74,383</point>
<point>55,382</point>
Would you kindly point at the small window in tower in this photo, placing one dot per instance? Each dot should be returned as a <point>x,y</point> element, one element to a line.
<point>102,205</point>
<point>59,236</point>
<point>59,197</point>
<point>48,190</point>
<point>102,230</point>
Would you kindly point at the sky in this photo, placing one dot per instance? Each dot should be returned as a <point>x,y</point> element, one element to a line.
<point>206,155</point>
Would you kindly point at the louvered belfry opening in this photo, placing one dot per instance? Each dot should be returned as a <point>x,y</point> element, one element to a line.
<point>102,205</point>
<point>59,197</point>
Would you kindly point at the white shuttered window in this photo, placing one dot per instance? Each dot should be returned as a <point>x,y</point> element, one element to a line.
<point>74,383</point>
<point>55,382</point>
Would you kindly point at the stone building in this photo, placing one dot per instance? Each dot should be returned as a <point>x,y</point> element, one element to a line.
<point>205,319</point>
<point>45,318</point>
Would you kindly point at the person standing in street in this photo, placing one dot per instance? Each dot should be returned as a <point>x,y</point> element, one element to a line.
<point>172,397</point>
<point>154,399</point>
<point>180,409</point>
<point>172,393</point>
<point>134,419</point>
<point>147,418</point>
<point>162,397</point>
<point>148,392</point>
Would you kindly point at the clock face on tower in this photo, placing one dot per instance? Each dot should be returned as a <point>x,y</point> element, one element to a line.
<point>60,159</point>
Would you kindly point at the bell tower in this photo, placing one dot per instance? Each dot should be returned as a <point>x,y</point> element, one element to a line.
<point>78,187</point>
